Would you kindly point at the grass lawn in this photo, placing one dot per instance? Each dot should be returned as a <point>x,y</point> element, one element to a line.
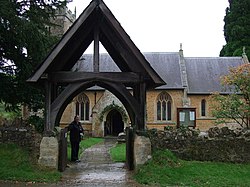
<point>118,153</point>
<point>166,170</point>
<point>15,164</point>
<point>84,144</point>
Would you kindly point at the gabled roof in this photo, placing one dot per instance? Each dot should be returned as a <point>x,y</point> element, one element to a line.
<point>166,64</point>
<point>203,73</point>
<point>112,36</point>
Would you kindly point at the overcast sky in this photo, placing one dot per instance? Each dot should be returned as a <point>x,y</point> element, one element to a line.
<point>161,25</point>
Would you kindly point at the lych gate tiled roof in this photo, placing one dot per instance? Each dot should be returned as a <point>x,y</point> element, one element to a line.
<point>203,74</point>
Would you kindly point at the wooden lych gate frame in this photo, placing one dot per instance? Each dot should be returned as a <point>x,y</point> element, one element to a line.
<point>98,24</point>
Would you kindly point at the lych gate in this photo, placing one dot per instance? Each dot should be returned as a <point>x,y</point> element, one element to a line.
<point>61,84</point>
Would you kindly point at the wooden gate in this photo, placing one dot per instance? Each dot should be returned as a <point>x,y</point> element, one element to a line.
<point>63,158</point>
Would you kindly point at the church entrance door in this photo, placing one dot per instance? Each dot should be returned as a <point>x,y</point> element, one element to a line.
<point>114,124</point>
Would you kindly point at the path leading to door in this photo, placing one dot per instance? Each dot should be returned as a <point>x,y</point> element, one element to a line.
<point>97,169</point>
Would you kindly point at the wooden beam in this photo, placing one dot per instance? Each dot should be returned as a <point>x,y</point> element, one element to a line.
<point>96,49</point>
<point>71,77</point>
<point>65,40</point>
<point>60,103</point>
<point>118,89</point>
<point>147,69</point>
<point>125,53</point>
<point>115,55</point>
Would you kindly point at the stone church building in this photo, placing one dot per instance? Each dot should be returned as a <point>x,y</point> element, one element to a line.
<point>183,101</point>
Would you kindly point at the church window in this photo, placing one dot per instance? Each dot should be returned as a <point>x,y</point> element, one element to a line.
<point>203,107</point>
<point>164,105</point>
<point>82,107</point>
<point>169,110</point>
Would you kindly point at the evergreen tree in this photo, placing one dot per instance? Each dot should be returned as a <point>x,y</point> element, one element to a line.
<point>24,43</point>
<point>237,28</point>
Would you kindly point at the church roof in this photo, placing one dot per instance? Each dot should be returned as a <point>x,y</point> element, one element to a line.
<point>167,66</point>
<point>203,73</point>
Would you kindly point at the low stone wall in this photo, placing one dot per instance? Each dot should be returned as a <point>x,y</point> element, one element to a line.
<point>217,144</point>
<point>23,136</point>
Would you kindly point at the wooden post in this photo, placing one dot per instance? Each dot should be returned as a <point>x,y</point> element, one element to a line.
<point>140,95</point>
<point>63,160</point>
<point>129,148</point>
<point>142,106</point>
<point>48,127</point>
<point>136,95</point>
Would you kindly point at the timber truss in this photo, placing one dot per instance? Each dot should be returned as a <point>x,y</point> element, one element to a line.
<point>98,24</point>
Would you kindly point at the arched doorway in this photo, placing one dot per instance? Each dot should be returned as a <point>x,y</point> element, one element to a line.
<point>114,124</point>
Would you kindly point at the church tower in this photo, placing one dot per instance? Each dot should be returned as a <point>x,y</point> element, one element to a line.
<point>64,18</point>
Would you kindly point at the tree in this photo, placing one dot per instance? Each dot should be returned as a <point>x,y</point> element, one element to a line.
<point>235,106</point>
<point>237,28</point>
<point>24,42</point>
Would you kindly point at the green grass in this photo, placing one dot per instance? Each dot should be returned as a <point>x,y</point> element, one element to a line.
<point>118,153</point>
<point>84,144</point>
<point>15,164</point>
<point>166,170</point>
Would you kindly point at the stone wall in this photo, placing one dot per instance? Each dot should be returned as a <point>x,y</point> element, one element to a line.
<point>23,136</point>
<point>216,144</point>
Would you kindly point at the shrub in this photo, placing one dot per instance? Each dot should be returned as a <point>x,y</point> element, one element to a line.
<point>38,123</point>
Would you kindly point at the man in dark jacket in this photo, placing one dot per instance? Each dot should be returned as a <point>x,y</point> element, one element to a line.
<point>76,133</point>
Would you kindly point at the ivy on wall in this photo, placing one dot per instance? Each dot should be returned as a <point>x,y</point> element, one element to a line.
<point>114,107</point>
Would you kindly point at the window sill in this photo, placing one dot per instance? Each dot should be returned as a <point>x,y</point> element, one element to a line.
<point>205,118</point>
<point>163,122</point>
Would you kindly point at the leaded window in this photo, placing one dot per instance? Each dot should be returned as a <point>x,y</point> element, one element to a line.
<point>164,107</point>
<point>82,107</point>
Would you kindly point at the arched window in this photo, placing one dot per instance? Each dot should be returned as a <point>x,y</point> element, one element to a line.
<point>82,107</point>
<point>164,107</point>
<point>203,107</point>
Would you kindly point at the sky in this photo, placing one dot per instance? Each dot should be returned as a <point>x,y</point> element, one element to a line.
<point>161,25</point>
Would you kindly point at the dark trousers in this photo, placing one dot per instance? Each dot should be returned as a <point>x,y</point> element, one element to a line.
<point>74,150</point>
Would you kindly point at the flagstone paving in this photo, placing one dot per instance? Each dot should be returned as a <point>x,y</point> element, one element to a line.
<point>97,169</point>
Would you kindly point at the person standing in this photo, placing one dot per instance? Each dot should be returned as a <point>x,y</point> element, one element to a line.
<point>76,133</point>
